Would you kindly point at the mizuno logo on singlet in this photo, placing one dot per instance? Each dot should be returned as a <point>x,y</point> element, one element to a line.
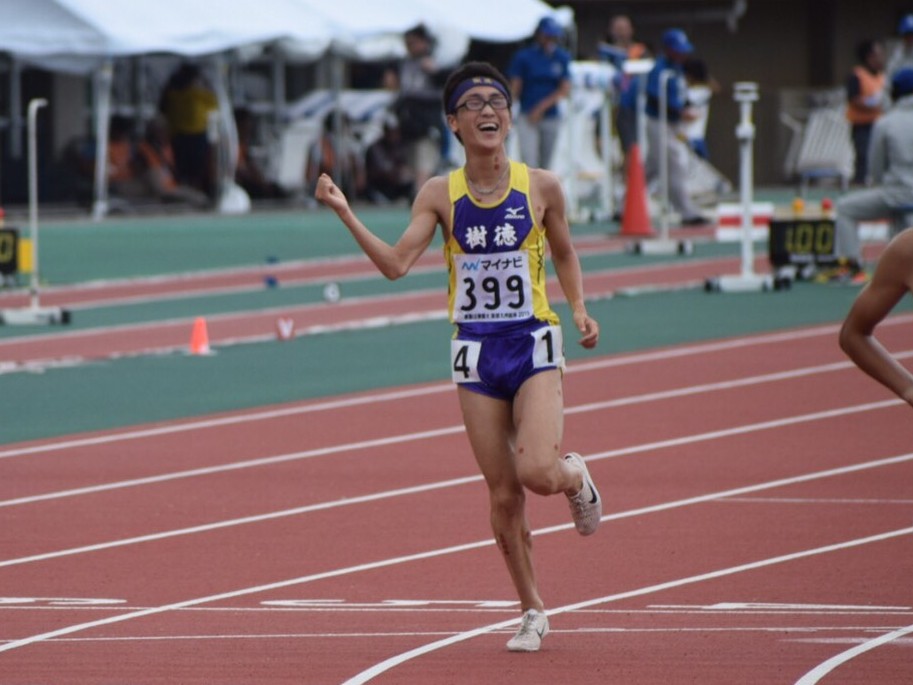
<point>514,213</point>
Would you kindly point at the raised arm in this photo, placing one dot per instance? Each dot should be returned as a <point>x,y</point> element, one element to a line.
<point>393,261</point>
<point>893,278</point>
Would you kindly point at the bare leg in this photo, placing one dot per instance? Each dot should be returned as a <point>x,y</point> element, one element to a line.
<point>539,420</point>
<point>532,426</point>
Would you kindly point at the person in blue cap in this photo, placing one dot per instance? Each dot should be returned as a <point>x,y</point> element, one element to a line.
<point>676,48</point>
<point>539,79</point>
<point>902,56</point>
<point>891,173</point>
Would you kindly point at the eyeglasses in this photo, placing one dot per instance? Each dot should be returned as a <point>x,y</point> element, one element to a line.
<point>477,104</point>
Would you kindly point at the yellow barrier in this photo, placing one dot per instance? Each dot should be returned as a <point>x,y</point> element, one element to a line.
<point>25,256</point>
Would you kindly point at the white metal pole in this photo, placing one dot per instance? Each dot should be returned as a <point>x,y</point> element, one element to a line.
<point>608,184</point>
<point>566,119</point>
<point>15,95</point>
<point>663,151</point>
<point>34,105</point>
<point>104,77</point>
<point>642,114</point>
<point>746,281</point>
<point>745,94</point>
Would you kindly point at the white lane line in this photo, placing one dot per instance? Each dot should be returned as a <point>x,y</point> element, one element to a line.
<point>335,573</point>
<point>817,673</point>
<point>182,426</point>
<point>818,500</point>
<point>225,316</point>
<point>230,523</point>
<point>41,365</point>
<point>595,406</point>
<point>329,606</point>
<point>253,275</point>
<point>259,415</point>
<point>398,395</point>
<point>577,367</point>
<point>236,466</point>
<point>554,631</point>
<point>385,396</point>
<point>382,667</point>
<point>699,499</point>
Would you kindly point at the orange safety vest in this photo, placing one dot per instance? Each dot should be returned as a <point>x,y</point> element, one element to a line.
<point>869,84</point>
<point>637,50</point>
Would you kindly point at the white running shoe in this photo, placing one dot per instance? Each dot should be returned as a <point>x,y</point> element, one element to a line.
<point>533,628</point>
<point>586,505</point>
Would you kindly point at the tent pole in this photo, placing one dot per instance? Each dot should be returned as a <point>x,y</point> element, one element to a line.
<point>102,95</point>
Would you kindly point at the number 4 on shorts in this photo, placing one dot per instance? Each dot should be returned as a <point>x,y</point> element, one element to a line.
<point>464,360</point>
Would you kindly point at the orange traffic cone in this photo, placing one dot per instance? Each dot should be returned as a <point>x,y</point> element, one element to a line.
<point>636,217</point>
<point>199,338</point>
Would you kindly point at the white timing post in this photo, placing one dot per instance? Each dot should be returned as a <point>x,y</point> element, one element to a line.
<point>746,94</point>
<point>34,287</point>
<point>664,244</point>
<point>34,314</point>
<point>638,69</point>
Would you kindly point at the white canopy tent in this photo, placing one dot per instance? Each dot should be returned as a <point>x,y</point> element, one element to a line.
<point>86,36</point>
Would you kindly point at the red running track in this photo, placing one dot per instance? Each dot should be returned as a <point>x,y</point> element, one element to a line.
<point>757,529</point>
<point>153,337</point>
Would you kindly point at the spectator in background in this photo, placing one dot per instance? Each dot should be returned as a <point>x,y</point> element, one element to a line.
<point>121,164</point>
<point>902,56</point>
<point>248,173</point>
<point>186,102</point>
<point>620,45</point>
<point>865,95</point>
<point>701,87</point>
<point>388,174</point>
<point>892,280</point>
<point>418,106</point>
<point>156,167</point>
<point>891,171</point>
<point>676,49</point>
<point>540,78</point>
<point>618,48</point>
<point>336,152</point>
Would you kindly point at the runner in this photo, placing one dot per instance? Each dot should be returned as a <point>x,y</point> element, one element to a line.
<point>892,280</point>
<point>507,354</point>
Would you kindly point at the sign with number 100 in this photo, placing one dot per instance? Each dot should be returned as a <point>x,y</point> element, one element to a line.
<point>806,237</point>
<point>802,241</point>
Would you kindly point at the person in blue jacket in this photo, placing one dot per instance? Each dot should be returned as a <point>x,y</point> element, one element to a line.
<point>676,49</point>
<point>539,79</point>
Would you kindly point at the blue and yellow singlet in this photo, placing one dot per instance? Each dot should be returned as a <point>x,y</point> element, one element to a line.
<point>496,259</point>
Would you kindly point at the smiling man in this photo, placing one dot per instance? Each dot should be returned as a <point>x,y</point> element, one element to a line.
<point>507,356</point>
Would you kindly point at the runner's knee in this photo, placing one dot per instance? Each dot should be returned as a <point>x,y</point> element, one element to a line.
<point>506,503</point>
<point>542,480</point>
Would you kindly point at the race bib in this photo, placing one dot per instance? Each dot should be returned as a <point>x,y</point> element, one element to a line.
<point>464,360</point>
<point>548,347</point>
<point>492,287</point>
